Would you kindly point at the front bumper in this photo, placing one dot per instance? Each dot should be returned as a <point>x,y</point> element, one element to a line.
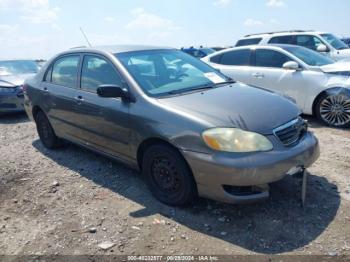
<point>11,100</point>
<point>214,173</point>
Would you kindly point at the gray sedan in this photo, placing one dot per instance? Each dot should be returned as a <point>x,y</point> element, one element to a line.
<point>188,128</point>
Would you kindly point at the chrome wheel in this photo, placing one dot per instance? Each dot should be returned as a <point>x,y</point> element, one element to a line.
<point>335,110</point>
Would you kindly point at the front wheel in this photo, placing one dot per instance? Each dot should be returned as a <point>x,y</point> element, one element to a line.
<point>334,110</point>
<point>45,131</point>
<point>168,175</point>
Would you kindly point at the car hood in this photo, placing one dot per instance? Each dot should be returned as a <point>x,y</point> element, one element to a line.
<point>14,80</point>
<point>237,105</point>
<point>340,66</point>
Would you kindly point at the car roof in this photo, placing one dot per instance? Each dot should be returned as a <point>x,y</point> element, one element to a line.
<point>114,49</point>
<point>282,33</point>
<point>268,46</point>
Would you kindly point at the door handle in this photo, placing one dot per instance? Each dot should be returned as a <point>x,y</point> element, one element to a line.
<point>258,75</point>
<point>45,89</point>
<point>79,99</point>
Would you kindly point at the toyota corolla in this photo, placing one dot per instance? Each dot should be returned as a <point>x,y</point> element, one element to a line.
<point>187,127</point>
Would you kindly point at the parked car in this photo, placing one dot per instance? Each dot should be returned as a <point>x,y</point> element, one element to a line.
<point>12,76</point>
<point>325,43</point>
<point>346,41</point>
<point>319,85</point>
<point>219,48</point>
<point>187,127</point>
<point>198,52</point>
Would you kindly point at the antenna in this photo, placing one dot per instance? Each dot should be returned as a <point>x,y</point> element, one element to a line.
<point>87,40</point>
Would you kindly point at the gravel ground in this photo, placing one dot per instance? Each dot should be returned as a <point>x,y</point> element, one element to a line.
<point>70,201</point>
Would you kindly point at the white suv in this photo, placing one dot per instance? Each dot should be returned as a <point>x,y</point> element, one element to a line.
<point>322,42</point>
<point>318,85</point>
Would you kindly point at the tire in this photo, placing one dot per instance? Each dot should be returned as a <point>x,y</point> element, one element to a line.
<point>45,131</point>
<point>168,175</point>
<point>333,110</point>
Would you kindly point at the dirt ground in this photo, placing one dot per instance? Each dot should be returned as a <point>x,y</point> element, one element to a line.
<point>69,201</point>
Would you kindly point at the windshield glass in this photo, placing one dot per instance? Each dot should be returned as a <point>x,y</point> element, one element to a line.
<point>164,72</point>
<point>308,56</point>
<point>334,41</point>
<point>13,67</point>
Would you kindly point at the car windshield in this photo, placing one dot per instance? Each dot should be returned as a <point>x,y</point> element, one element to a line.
<point>308,56</point>
<point>334,41</point>
<point>166,72</point>
<point>14,67</point>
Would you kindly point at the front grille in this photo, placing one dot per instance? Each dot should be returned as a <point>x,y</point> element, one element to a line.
<point>291,133</point>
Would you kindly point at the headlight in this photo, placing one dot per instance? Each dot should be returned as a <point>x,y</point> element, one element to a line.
<point>236,140</point>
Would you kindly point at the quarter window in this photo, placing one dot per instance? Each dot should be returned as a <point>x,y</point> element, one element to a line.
<point>250,41</point>
<point>286,39</point>
<point>270,58</point>
<point>98,71</point>
<point>65,71</point>
<point>236,58</point>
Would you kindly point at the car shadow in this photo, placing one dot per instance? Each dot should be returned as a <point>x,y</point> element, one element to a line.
<point>277,225</point>
<point>13,118</point>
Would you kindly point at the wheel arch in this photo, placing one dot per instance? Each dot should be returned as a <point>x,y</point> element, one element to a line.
<point>147,143</point>
<point>329,91</point>
<point>35,111</point>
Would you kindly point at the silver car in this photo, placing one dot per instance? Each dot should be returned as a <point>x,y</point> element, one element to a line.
<point>188,128</point>
<point>12,76</point>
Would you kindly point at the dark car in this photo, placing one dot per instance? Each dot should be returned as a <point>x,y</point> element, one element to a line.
<point>12,76</point>
<point>187,127</point>
<point>346,41</point>
<point>198,52</point>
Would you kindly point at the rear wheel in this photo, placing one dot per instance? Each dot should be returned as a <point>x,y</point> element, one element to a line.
<point>334,110</point>
<point>168,175</point>
<point>45,131</point>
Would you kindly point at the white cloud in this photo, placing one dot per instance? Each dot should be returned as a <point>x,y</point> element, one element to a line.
<point>110,19</point>
<point>33,11</point>
<point>222,3</point>
<point>252,22</point>
<point>149,21</point>
<point>275,3</point>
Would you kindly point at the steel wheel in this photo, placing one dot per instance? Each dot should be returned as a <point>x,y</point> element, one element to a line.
<point>46,133</point>
<point>334,110</point>
<point>165,175</point>
<point>168,175</point>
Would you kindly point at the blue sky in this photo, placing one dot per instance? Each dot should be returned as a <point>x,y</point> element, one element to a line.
<point>41,28</point>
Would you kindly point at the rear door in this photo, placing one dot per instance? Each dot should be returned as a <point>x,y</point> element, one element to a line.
<point>103,122</point>
<point>59,90</point>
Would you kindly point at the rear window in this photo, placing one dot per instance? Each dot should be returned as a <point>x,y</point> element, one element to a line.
<point>286,39</point>
<point>65,71</point>
<point>236,58</point>
<point>250,41</point>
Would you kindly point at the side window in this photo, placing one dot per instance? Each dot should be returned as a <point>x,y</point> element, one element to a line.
<point>237,58</point>
<point>308,41</point>
<point>270,58</point>
<point>65,71</point>
<point>97,71</point>
<point>286,39</point>
<point>215,59</point>
<point>48,75</point>
<point>251,41</point>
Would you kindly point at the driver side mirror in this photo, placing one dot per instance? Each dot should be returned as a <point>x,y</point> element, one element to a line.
<point>322,49</point>
<point>291,65</point>
<point>113,91</point>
